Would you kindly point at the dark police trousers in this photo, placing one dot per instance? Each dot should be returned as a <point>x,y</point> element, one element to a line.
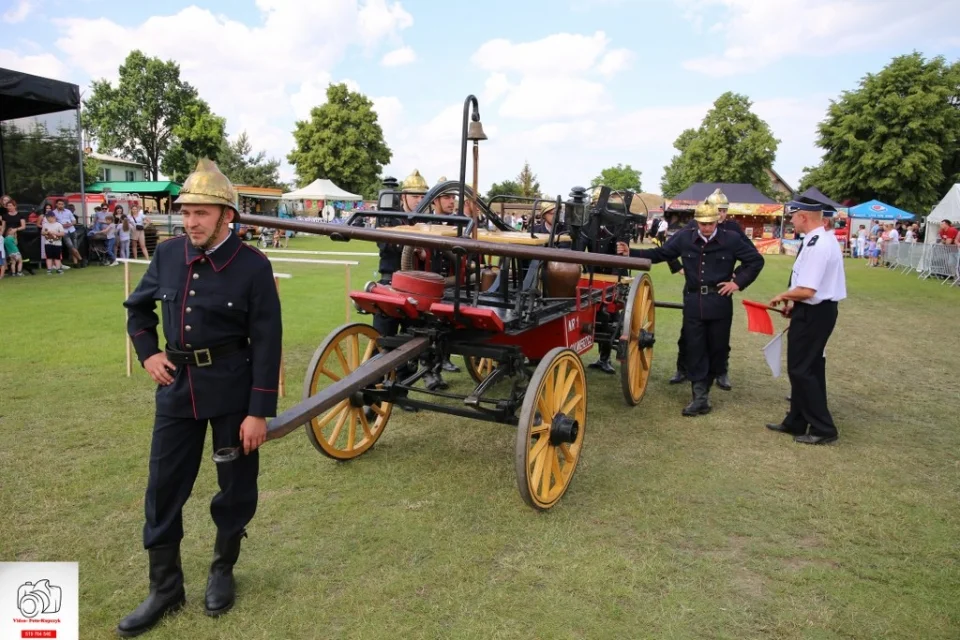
<point>175,455</point>
<point>810,328</point>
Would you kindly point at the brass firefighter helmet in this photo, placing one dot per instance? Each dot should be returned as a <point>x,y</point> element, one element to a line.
<point>706,214</point>
<point>717,200</point>
<point>546,206</point>
<point>207,185</point>
<point>453,190</point>
<point>414,183</point>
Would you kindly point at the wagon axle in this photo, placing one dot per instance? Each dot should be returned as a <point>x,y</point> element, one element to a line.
<point>563,429</point>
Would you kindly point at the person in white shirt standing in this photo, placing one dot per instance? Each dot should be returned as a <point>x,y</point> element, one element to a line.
<point>817,284</point>
<point>138,238</point>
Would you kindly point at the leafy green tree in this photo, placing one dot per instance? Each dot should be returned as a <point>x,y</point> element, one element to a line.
<point>242,166</point>
<point>342,141</point>
<point>895,138</point>
<point>149,112</point>
<point>199,134</point>
<point>39,162</point>
<point>527,180</point>
<point>732,144</point>
<point>619,178</point>
<point>505,188</point>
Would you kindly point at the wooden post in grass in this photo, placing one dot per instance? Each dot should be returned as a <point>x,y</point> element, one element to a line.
<point>126,294</point>
<point>347,295</point>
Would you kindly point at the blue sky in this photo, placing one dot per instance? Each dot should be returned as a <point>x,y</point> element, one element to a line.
<point>571,86</point>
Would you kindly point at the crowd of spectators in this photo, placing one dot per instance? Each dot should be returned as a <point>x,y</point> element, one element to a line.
<point>110,236</point>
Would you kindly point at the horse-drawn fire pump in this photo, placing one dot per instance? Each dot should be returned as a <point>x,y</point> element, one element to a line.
<point>520,310</point>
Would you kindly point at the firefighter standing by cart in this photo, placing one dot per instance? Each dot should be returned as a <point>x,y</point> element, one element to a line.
<point>221,319</point>
<point>708,254</point>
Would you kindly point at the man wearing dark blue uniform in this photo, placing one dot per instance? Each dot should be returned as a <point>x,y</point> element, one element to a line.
<point>412,190</point>
<point>708,255</point>
<point>718,200</point>
<point>221,364</point>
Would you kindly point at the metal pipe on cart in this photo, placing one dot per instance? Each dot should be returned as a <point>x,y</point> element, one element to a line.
<point>343,232</point>
<point>471,99</point>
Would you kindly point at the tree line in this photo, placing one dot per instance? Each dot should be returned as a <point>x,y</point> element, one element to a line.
<point>896,137</point>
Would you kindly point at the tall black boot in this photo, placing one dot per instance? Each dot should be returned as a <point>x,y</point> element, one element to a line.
<point>221,587</point>
<point>701,400</point>
<point>166,592</point>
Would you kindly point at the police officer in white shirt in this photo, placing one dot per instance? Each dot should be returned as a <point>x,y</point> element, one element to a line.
<point>816,286</point>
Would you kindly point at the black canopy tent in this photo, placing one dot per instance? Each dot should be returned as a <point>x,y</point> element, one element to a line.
<point>23,95</point>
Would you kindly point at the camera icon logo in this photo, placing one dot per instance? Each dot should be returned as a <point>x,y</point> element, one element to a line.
<point>36,598</point>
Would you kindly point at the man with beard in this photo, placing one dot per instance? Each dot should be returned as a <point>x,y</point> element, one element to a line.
<point>220,365</point>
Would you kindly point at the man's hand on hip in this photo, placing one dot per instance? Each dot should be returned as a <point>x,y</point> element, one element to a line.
<point>253,433</point>
<point>159,368</point>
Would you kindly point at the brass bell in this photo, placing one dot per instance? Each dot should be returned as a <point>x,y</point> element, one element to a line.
<point>475,131</point>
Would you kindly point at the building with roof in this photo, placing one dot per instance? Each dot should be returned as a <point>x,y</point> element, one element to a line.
<point>115,169</point>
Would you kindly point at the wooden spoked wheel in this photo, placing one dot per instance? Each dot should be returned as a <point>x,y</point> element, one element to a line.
<point>479,368</point>
<point>638,329</point>
<point>550,432</point>
<point>349,428</point>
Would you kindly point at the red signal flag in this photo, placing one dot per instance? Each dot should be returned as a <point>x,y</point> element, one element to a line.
<point>758,317</point>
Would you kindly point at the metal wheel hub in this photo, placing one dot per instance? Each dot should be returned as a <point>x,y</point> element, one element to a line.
<point>563,429</point>
<point>357,400</point>
<point>646,339</point>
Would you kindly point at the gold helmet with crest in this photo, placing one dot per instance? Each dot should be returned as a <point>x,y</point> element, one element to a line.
<point>208,185</point>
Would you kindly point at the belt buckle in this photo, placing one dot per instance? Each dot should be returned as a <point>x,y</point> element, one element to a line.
<point>704,290</point>
<point>203,352</point>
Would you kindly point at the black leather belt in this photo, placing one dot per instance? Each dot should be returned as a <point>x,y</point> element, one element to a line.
<point>205,357</point>
<point>702,290</point>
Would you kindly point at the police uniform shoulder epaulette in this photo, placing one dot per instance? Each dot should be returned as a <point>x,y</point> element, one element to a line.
<point>813,241</point>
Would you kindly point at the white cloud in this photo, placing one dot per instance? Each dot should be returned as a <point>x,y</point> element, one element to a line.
<point>544,97</point>
<point>755,38</point>
<point>389,114</point>
<point>494,88</point>
<point>557,53</point>
<point>259,92</point>
<point>311,93</point>
<point>45,64</point>
<point>399,57</point>
<point>18,13</point>
<point>615,61</point>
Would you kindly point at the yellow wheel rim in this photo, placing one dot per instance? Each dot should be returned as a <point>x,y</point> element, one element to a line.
<point>345,431</point>
<point>545,469</point>
<point>639,316</point>
<point>480,368</point>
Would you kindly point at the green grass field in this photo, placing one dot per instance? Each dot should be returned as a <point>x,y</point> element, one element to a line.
<point>673,527</point>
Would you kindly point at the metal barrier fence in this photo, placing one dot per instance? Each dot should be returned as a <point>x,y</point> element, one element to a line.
<point>937,260</point>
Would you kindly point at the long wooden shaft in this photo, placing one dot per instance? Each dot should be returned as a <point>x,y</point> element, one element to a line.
<point>451,244</point>
<point>366,374</point>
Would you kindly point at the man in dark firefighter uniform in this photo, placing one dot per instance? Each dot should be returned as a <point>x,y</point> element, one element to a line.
<point>221,364</point>
<point>412,190</point>
<point>719,201</point>
<point>708,254</point>
<point>608,243</point>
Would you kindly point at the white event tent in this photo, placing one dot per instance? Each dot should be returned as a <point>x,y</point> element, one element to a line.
<point>321,189</point>
<point>948,209</point>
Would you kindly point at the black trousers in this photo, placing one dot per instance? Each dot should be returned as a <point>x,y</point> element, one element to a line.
<point>386,325</point>
<point>810,328</point>
<point>682,352</point>
<point>175,456</point>
<point>707,343</point>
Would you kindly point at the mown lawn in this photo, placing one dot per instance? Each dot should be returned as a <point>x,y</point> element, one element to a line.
<point>673,527</point>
